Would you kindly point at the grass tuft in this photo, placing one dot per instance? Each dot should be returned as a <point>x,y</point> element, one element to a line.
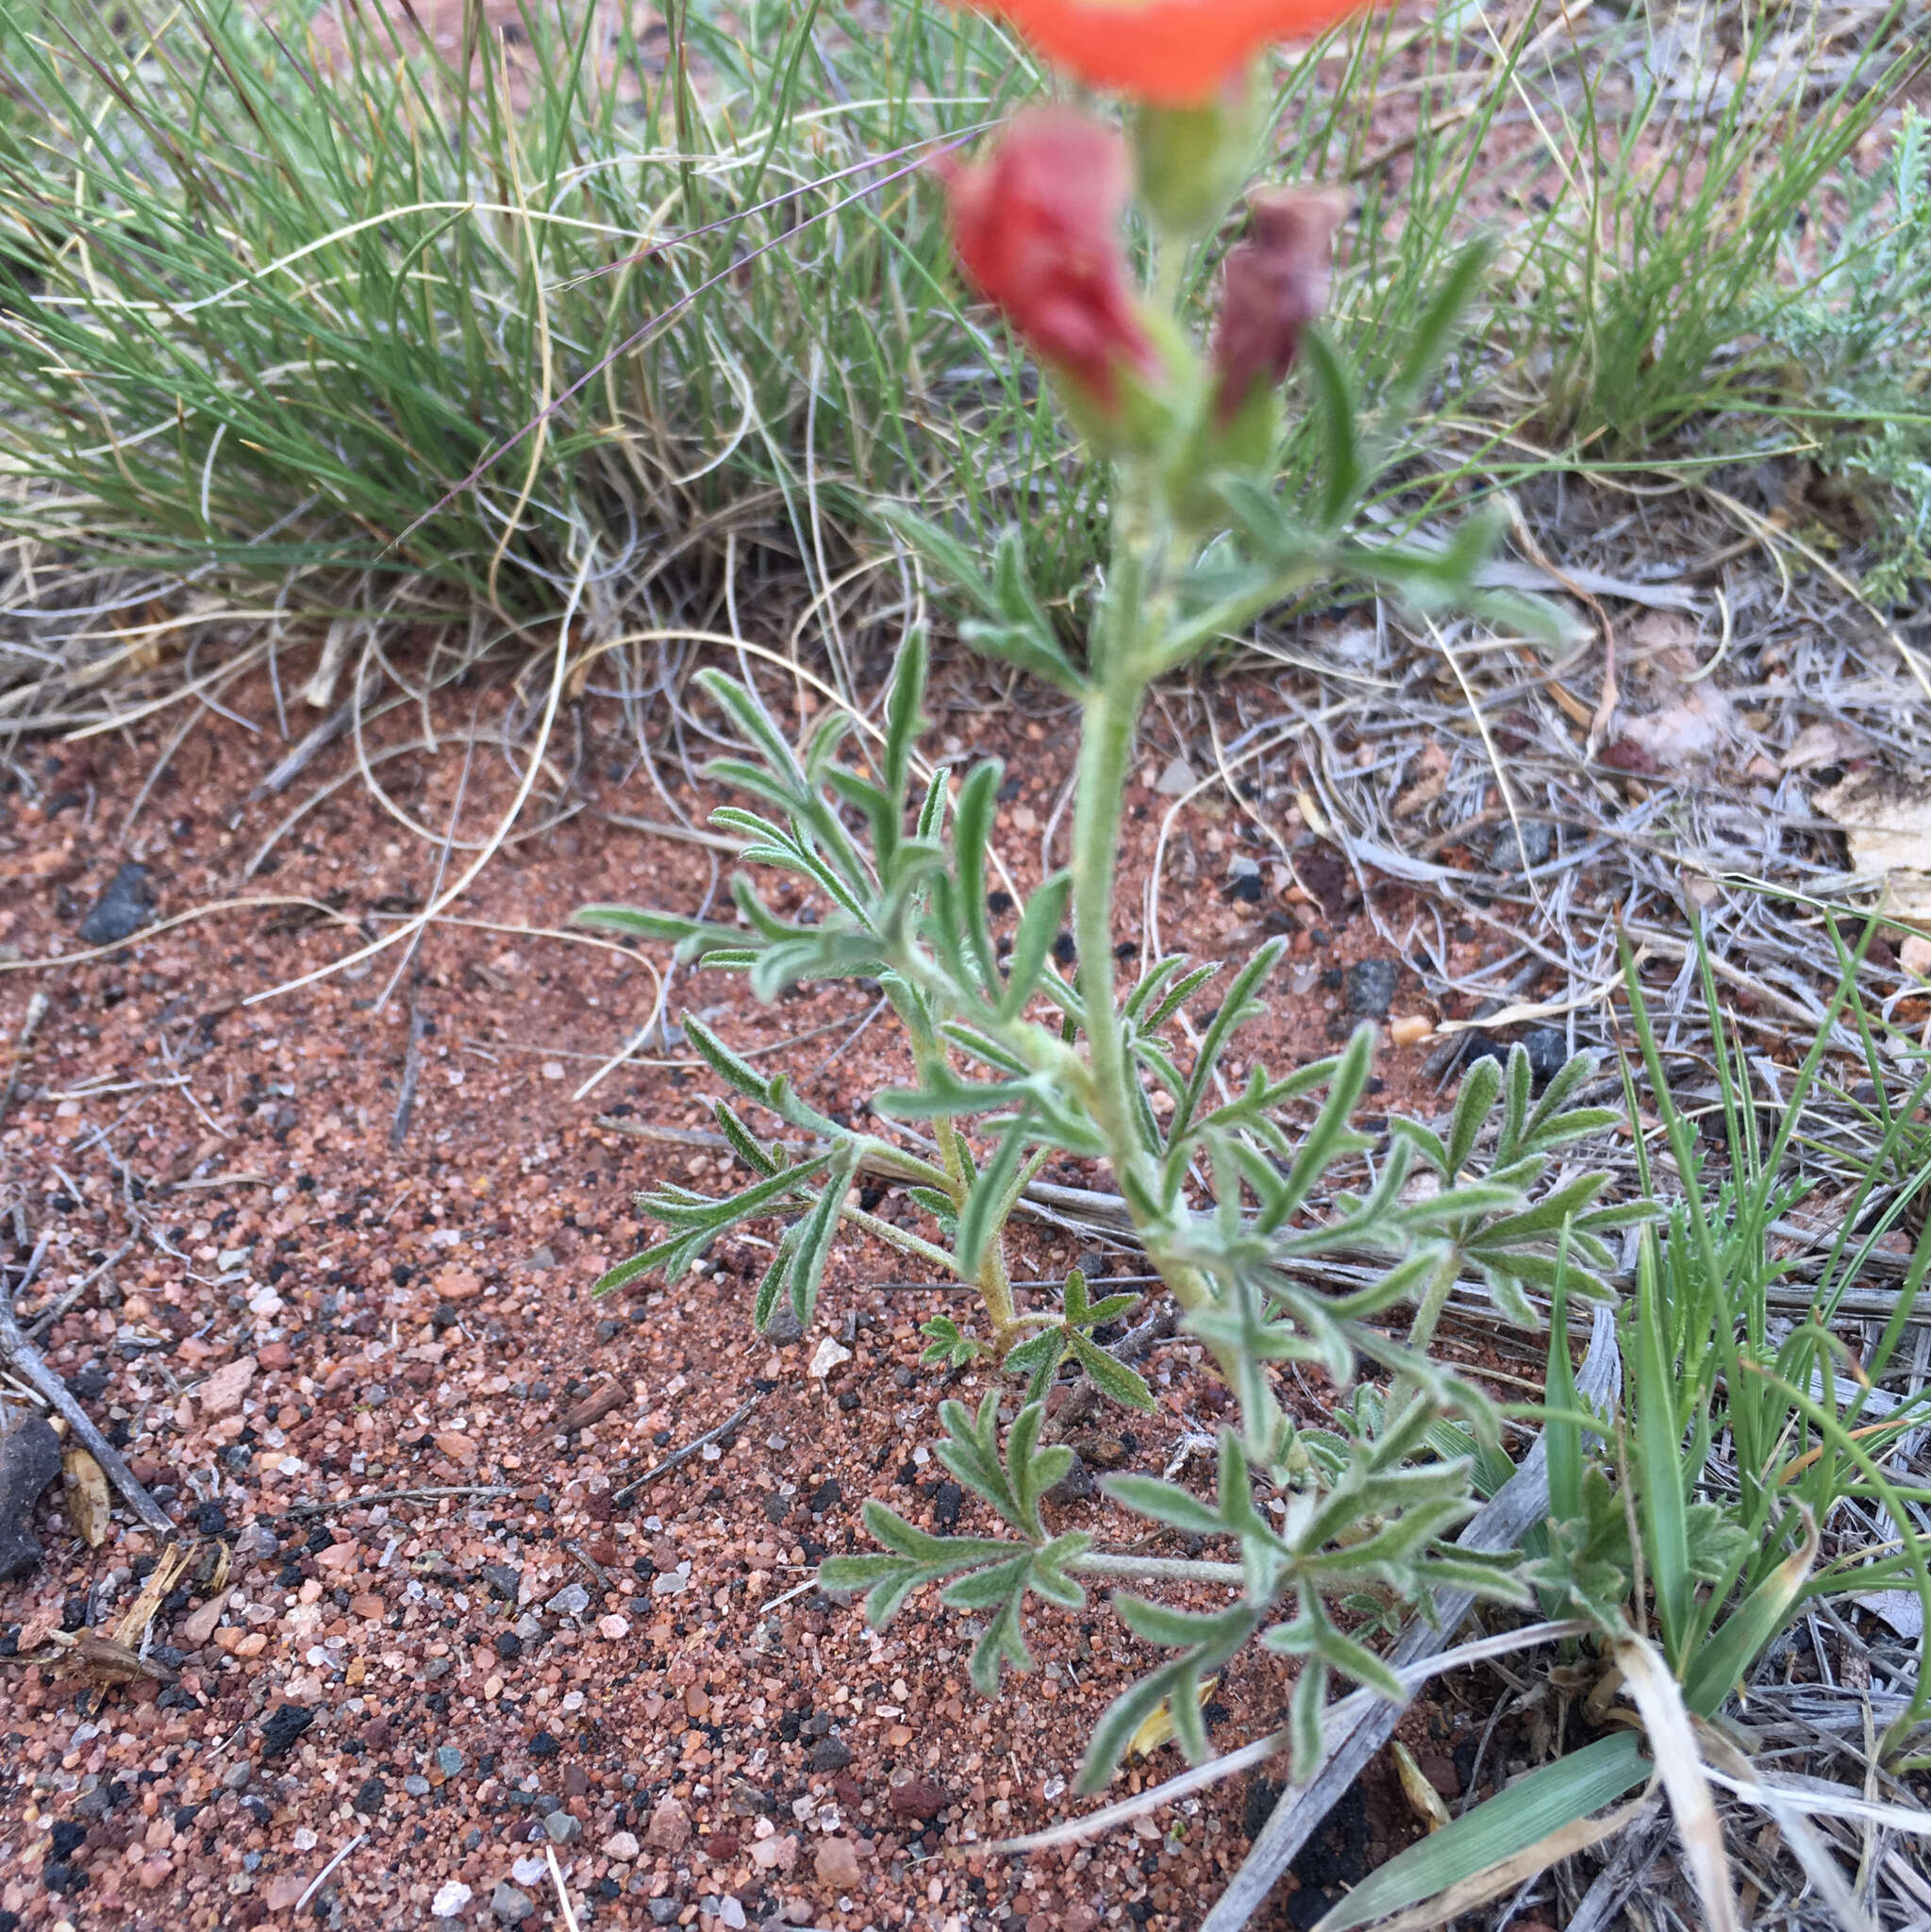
<point>393,341</point>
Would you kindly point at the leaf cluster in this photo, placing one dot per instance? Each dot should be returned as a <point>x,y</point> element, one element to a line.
<point>895,872</point>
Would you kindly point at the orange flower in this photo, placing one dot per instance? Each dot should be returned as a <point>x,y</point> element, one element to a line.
<point>1036,225</point>
<point>1172,53</point>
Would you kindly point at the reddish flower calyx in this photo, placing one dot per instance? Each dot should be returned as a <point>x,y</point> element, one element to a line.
<point>1035,226</point>
<point>1276,283</point>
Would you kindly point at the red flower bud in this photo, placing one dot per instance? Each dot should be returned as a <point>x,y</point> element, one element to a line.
<point>1276,283</point>
<point>1035,226</point>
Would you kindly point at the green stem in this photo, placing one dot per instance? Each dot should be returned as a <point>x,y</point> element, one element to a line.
<point>1112,710</point>
<point>1156,1568</point>
<point>1105,750</point>
<point>1170,273</point>
<point>1433,1299</point>
<point>882,1156</point>
<point>898,1238</point>
<point>994,1283</point>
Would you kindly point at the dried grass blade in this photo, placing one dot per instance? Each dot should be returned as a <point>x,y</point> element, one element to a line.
<point>1679,1764</point>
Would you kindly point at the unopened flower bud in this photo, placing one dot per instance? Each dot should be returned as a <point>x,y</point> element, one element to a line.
<point>1035,226</point>
<point>1276,283</point>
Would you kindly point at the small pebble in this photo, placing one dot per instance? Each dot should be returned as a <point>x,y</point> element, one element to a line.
<point>1519,850</point>
<point>563,1827</point>
<point>1369,987</point>
<point>830,1355</point>
<point>451,1899</point>
<point>510,1906</point>
<point>571,1601</point>
<point>837,1864</point>
<point>256,1543</point>
<point>416,1785</point>
<point>1176,779</point>
<point>670,1827</point>
<point>121,910</point>
<point>449,1760</point>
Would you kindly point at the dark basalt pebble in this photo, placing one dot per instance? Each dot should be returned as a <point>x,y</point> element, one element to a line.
<point>282,1727</point>
<point>122,910</point>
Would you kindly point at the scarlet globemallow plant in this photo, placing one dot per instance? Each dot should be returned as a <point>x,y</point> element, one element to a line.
<point>1234,1193</point>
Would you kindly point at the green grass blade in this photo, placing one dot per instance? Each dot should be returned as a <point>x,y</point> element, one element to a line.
<point>1517,1817</point>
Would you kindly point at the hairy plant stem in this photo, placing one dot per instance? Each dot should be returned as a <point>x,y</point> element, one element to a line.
<point>1127,646</point>
<point>1156,1569</point>
<point>897,1237</point>
<point>1106,749</point>
<point>1433,1300</point>
<point>992,1280</point>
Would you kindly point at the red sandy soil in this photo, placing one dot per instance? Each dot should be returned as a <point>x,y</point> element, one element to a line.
<point>732,1746</point>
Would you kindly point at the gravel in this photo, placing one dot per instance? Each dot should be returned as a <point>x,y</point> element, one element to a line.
<point>510,1906</point>
<point>122,909</point>
<point>404,1642</point>
<point>1368,987</point>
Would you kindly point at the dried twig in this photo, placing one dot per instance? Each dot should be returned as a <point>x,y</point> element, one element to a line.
<point>19,1355</point>
<point>412,1073</point>
<point>593,1409</point>
<point>36,1012</point>
<point>592,1569</point>
<point>424,1496</point>
<point>316,1883</point>
<point>316,740</point>
<point>53,1310</point>
<point>679,1456</point>
<point>562,1896</point>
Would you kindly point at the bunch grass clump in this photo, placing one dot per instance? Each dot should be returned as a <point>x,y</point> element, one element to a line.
<point>500,336</point>
<point>522,328</point>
